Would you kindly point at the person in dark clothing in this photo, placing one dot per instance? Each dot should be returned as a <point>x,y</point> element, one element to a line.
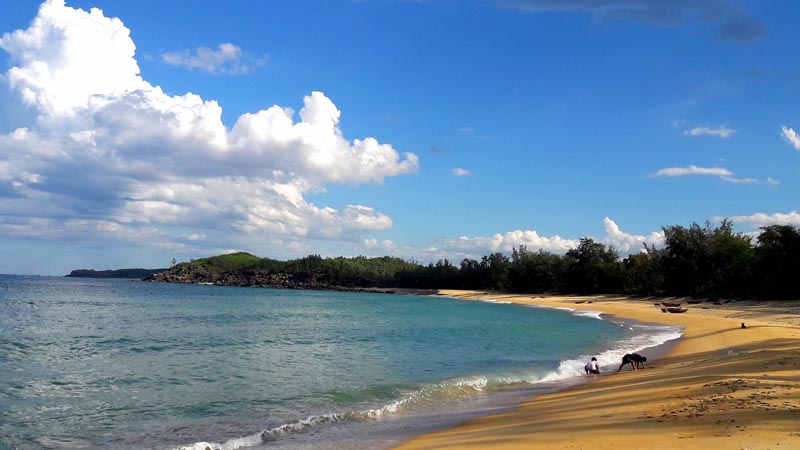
<point>634,359</point>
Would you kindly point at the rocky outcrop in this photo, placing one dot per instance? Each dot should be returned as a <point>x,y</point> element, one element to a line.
<point>255,278</point>
<point>185,273</point>
<point>244,278</point>
<point>263,279</point>
<point>120,273</point>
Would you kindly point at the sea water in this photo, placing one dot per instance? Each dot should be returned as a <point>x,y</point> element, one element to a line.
<point>117,364</point>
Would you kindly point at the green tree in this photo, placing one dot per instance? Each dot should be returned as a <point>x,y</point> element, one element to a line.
<point>470,274</point>
<point>777,261</point>
<point>536,271</point>
<point>707,261</point>
<point>593,268</point>
<point>495,266</point>
<point>643,273</point>
<point>732,257</point>
<point>687,260</point>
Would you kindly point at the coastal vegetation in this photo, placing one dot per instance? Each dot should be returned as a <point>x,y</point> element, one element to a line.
<point>697,261</point>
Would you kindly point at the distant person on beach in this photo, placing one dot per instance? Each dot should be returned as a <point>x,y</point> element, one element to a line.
<point>592,367</point>
<point>634,359</point>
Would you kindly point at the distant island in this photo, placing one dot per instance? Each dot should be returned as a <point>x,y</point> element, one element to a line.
<point>120,273</point>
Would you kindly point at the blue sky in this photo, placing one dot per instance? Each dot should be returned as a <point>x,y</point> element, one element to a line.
<point>143,131</point>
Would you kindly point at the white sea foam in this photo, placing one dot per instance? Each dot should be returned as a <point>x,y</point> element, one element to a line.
<point>200,446</point>
<point>493,300</point>
<point>269,435</point>
<point>559,308</point>
<point>575,312</point>
<point>428,393</point>
<point>587,313</point>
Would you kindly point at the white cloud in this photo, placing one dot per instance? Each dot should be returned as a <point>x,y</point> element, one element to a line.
<point>722,173</point>
<point>773,182</point>
<point>385,245</point>
<point>227,59</point>
<point>722,131</point>
<point>84,231</point>
<point>506,242</point>
<point>694,170</point>
<point>475,247</point>
<point>472,133</point>
<point>68,58</point>
<point>791,137</point>
<point>762,219</point>
<point>461,172</point>
<point>739,180</point>
<point>108,147</point>
<point>629,243</point>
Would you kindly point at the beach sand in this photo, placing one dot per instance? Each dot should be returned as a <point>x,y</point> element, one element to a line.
<point>720,387</point>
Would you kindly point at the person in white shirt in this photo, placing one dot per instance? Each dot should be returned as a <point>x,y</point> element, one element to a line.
<point>592,367</point>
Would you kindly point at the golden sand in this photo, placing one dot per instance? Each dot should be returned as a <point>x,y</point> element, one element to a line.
<point>720,387</point>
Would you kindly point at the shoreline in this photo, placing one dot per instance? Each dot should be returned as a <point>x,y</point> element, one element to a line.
<point>719,386</point>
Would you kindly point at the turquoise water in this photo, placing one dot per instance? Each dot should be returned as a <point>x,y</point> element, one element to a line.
<point>115,364</point>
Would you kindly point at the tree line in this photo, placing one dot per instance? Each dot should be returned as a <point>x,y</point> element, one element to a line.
<point>697,261</point>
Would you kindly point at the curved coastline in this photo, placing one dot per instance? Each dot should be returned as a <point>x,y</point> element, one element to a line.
<point>719,386</point>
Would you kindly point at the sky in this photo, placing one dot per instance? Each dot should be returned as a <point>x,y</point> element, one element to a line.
<point>132,133</point>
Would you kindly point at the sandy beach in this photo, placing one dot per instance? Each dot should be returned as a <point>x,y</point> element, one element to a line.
<point>720,387</point>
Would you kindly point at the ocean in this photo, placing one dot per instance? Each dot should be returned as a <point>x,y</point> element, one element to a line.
<point>118,364</point>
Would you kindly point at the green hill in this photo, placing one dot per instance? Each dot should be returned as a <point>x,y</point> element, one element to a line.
<point>225,263</point>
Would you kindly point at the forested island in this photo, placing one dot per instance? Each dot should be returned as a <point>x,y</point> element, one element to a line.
<point>120,273</point>
<point>696,261</point>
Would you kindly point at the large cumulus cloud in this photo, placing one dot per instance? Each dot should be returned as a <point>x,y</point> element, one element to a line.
<point>107,150</point>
